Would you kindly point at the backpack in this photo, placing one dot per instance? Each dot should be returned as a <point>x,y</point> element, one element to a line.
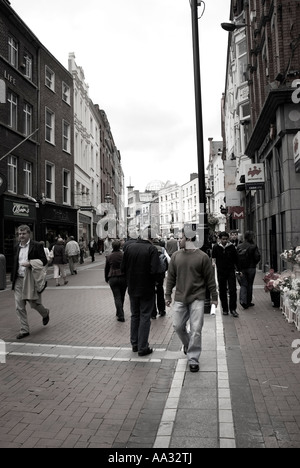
<point>163,262</point>
<point>243,256</point>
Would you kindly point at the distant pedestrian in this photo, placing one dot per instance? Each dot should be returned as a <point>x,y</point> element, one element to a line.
<point>159,303</point>
<point>249,256</point>
<point>72,251</point>
<point>26,276</point>
<point>172,245</point>
<point>141,265</point>
<point>116,278</point>
<point>82,247</point>
<point>108,246</point>
<point>234,239</point>
<point>225,258</point>
<point>92,249</point>
<point>191,272</point>
<point>60,261</point>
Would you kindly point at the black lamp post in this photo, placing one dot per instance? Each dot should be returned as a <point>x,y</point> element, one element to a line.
<point>199,120</point>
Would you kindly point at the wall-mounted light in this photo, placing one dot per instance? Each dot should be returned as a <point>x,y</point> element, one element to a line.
<point>230,27</point>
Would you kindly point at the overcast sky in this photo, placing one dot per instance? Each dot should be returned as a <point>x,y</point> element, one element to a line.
<point>137,58</point>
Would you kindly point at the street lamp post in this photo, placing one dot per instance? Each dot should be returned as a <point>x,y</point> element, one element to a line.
<point>199,120</point>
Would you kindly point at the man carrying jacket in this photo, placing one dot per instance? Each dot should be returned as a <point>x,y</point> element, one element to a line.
<point>27,250</point>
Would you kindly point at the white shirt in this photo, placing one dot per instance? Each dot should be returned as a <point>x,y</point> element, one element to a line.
<point>23,257</point>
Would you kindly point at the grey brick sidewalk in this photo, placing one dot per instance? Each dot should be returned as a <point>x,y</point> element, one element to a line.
<point>76,382</point>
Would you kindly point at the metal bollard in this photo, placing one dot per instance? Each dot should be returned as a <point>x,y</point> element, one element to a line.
<point>2,272</point>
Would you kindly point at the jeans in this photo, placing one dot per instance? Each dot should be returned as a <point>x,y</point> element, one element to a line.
<point>246,283</point>
<point>141,310</point>
<point>118,286</point>
<point>21,306</point>
<point>192,340</point>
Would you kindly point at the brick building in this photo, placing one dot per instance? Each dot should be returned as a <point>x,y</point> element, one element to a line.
<point>36,142</point>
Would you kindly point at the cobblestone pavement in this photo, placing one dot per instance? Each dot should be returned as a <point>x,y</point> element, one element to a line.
<point>76,382</point>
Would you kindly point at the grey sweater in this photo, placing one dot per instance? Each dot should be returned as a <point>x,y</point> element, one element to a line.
<point>191,272</point>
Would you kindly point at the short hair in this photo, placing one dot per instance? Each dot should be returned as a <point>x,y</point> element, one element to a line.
<point>24,227</point>
<point>249,237</point>
<point>223,234</point>
<point>116,245</point>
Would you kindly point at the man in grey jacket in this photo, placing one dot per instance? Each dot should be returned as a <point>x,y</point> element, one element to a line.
<point>191,271</point>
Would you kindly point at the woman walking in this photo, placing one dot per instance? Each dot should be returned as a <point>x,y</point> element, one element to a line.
<point>60,261</point>
<point>115,278</point>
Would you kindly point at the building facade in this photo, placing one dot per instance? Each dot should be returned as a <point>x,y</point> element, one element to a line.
<point>272,72</point>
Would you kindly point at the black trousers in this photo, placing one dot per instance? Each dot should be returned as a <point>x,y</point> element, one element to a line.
<point>160,297</point>
<point>227,284</point>
<point>118,286</point>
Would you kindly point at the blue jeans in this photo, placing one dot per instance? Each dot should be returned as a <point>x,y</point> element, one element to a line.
<point>192,340</point>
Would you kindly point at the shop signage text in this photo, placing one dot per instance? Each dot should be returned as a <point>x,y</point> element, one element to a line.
<point>10,78</point>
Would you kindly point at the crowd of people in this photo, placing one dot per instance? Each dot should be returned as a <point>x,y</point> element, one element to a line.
<point>150,270</point>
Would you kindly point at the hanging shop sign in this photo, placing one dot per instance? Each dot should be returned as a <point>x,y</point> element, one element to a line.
<point>236,212</point>
<point>296,150</point>
<point>254,176</point>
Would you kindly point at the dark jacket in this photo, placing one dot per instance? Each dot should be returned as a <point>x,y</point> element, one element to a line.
<point>113,265</point>
<point>141,265</point>
<point>35,252</point>
<point>253,255</point>
<point>226,257</point>
<point>60,257</point>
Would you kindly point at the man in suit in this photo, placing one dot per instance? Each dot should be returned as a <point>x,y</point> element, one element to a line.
<point>26,251</point>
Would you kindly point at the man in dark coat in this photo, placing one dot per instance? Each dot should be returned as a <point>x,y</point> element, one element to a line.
<point>225,257</point>
<point>141,265</point>
<point>26,251</point>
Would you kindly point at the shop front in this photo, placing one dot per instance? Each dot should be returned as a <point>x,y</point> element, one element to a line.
<point>55,220</point>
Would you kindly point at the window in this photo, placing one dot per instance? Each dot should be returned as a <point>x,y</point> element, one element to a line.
<point>66,137</point>
<point>49,78</point>
<point>27,178</point>
<point>13,104</point>
<point>27,119</point>
<point>67,187</point>
<point>49,130</point>
<point>242,61</point>
<point>49,181</point>
<point>12,174</point>
<point>12,51</point>
<point>66,93</point>
<point>28,66</point>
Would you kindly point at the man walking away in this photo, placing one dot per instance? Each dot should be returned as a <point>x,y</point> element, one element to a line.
<point>28,255</point>
<point>191,271</point>
<point>249,257</point>
<point>141,265</point>
<point>172,245</point>
<point>225,257</point>
<point>72,252</point>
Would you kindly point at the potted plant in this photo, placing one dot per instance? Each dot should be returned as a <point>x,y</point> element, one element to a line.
<point>272,282</point>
